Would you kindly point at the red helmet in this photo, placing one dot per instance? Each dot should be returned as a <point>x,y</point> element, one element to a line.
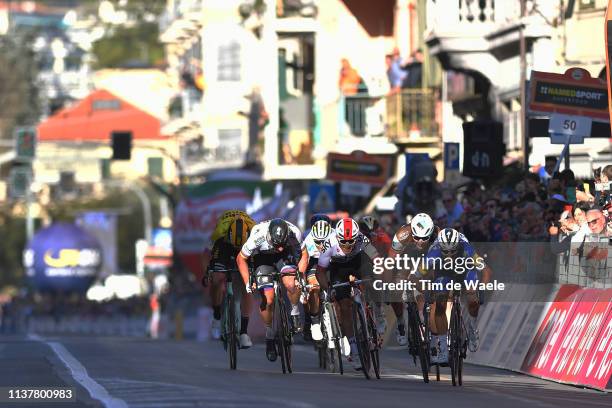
<point>347,230</point>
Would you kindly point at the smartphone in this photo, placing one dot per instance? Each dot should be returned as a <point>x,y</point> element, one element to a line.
<point>587,188</point>
<point>570,194</point>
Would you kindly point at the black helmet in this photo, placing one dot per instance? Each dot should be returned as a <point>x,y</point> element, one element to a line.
<point>278,232</point>
<point>319,217</point>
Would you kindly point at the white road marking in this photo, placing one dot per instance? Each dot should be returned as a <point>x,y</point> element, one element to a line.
<point>79,373</point>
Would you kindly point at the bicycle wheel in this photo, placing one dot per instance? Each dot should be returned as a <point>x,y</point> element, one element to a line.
<point>284,334</point>
<point>360,332</point>
<point>417,338</point>
<point>454,337</point>
<point>374,344</point>
<point>232,342</point>
<point>336,335</point>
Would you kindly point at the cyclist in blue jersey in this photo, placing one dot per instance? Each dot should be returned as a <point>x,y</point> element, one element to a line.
<point>452,258</point>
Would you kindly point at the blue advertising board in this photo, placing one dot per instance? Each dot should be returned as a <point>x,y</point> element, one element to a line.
<point>62,257</point>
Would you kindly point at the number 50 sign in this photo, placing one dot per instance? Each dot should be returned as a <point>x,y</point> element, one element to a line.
<point>570,125</point>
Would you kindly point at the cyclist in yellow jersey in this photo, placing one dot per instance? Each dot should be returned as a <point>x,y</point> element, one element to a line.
<point>230,233</point>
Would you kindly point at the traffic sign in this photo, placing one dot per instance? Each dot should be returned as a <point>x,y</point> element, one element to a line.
<point>322,198</point>
<point>25,143</point>
<point>570,125</point>
<point>20,179</point>
<point>451,156</point>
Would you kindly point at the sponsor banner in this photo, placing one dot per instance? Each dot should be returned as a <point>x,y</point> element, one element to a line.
<point>574,342</point>
<point>62,257</point>
<point>360,167</point>
<point>572,93</point>
<point>195,220</point>
<point>507,326</point>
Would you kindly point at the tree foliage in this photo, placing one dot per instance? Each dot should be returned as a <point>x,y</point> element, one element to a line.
<point>128,46</point>
<point>19,102</point>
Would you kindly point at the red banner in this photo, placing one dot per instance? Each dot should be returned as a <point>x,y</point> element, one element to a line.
<point>574,342</point>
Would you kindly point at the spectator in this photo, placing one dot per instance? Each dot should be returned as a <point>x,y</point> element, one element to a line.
<point>454,209</point>
<point>258,119</point>
<point>561,233</point>
<point>395,72</point>
<point>349,79</point>
<point>414,71</point>
<point>596,221</point>
<point>546,172</point>
<point>579,211</point>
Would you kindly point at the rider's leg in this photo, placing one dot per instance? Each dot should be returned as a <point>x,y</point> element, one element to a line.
<point>216,293</point>
<point>473,308</point>
<point>439,328</point>
<point>245,310</point>
<point>293,293</point>
<point>400,331</point>
<point>312,308</point>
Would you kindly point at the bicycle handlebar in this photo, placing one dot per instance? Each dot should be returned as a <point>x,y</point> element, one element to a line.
<point>353,283</point>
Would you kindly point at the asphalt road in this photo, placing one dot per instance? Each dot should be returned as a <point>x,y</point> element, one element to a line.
<point>123,372</point>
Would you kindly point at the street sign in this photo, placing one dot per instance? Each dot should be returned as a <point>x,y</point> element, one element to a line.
<point>20,179</point>
<point>559,138</point>
<point>25,143</point>
<point>451,156</point>
<point>322,198</point>
<point>570,125</point>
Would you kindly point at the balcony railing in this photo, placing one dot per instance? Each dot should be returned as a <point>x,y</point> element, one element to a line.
<point>411,113</point>
<point>451,15</point>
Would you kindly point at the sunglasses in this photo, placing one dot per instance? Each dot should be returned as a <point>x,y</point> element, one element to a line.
<point>319,242</point>
<point>593,222</point>
<point>346,242</point>
<point>421,239</point>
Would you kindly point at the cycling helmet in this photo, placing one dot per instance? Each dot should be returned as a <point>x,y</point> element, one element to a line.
<point>422,226</point>
<point>238,232</point>
<point>448,239</point>
<point>320,230</point>
<point>347,231</point>
<point>370,222</point>
<point>278,232</point>
<point>319,217</point>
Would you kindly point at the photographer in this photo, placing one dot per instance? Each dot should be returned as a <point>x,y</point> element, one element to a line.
<point>561,233</point>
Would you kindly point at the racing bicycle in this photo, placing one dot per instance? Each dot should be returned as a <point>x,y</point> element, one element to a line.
<point>364,328</point>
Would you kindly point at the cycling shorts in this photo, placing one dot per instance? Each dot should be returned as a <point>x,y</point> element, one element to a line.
<point>266,265</point>
<point>359,266</point>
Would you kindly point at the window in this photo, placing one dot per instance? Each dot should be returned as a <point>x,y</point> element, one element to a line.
<point>228,68</point>
<point>156,167</point>
<point>586,4</point>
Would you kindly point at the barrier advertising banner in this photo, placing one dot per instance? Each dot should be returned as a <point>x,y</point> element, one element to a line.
<point>574,342</point>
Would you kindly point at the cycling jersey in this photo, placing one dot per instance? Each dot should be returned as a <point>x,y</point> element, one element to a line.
<point>381,241</point>
<point>334,254</point>
<point>225,221</point>
<point>258,240</point>
<point>435,259</point>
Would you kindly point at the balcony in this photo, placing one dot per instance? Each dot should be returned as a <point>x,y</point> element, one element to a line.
<point>411,116</point>
<point>181,20</point>
<point>479,35</point>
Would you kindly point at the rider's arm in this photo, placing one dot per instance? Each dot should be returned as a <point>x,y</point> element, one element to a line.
<point>303,264</point>
<point>243,267</point>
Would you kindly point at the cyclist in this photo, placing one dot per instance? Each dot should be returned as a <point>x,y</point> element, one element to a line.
<point>230,233</point>
<point>314,243</point>
<point>369,226</point>
<point>274,246</point>
<point>348,255</point>
<point>414,239</point>
<point>454,245</point>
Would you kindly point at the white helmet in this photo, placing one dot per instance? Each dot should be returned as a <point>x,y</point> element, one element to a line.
<point>448,239</point>
<point>346,230</point>
<point>321,230</point>
<point>422,226</point>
